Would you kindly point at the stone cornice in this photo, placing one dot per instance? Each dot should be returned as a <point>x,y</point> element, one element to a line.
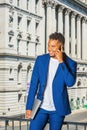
<point>12,89</point>
<point>80,3</point>
<point>8,55</point>
<point>20,10</point>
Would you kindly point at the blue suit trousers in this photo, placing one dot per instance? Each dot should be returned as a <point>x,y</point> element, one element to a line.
<point>43,116</point>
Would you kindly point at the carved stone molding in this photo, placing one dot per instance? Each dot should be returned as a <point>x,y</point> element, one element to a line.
<point>11,10</point>
<point>11,33</point>
<point>60,9</point>
<point>19,35</point>
<point>67,11</point>
<point>37,38</point>
<point>50,3</point>
<point>83,20</point>
<point>10,1</point>
<point>20,65</point>
<point>29,18</point>
<point>28,36</point>
<point>73,15</point>
<point>54,4</point>
<point>20,14</point>
<point>79,17</point>
<point>10,18</point>
<point>29,66</point>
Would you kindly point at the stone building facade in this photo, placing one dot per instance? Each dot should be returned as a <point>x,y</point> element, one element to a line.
<point>24,29</point>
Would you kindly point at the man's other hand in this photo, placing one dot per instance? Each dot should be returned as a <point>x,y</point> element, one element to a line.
<point>28,114</point>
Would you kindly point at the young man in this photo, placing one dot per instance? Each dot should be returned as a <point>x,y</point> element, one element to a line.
<point>52,73</point>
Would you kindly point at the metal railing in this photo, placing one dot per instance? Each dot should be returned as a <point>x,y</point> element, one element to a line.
<point>7,123</point>
<point>75,125</point>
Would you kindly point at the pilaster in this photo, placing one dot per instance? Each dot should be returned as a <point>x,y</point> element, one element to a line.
<point>73,40</point>
<point>79,36</point>
<point>84,42</point>
<point>60,19</point>
<point>67,12</point>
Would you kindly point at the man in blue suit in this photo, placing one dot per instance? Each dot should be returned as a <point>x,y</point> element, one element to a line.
<point>52,73</point>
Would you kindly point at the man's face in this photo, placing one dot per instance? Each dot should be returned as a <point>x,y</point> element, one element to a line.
<point>53,47</point>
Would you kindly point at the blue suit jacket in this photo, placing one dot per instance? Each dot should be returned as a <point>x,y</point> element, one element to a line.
<point>65,76</point>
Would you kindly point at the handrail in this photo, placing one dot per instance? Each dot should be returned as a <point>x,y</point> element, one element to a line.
<point>75,123</point>
<point>14,118</point>
<point>20,120</point>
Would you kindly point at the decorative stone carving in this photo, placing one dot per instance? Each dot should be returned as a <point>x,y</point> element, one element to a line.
<point>83,20</point>
<point>11,10</point>
<point>37,38</point>
<point>60,8</point>
<point>54,4</point>
<point>10,1</point>
<point>19,35</point>
<point>19,65</point>
<point>11,33</point>
<point>29,66</point>
<point>78,83</point>
<point>51,3</point>
<point>79,17</point>
<point>73,14</point>
<point>67,11</point>
<point>28,36</point>
<point>10,18</point>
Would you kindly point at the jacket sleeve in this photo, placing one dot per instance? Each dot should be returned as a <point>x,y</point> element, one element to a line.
<point>69,72</point>
<point>33,86</point>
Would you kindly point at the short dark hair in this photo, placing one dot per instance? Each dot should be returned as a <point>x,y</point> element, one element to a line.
<point>57,36</point>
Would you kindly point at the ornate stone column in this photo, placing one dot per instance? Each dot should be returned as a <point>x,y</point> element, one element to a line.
<point>49,18</point>
<point>73,41</point>
<point>79,37</point>
<point>60,19</point>
<point>84,42</point>
<point>53,17</point>
<point>86,29</point>
<point>67,31</point>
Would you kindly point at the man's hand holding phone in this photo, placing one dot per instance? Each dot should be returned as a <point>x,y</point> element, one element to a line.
<point>59,54</point>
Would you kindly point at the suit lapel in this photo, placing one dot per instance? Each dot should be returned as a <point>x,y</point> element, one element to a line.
<point>57,71</point>
<point>45,69</point>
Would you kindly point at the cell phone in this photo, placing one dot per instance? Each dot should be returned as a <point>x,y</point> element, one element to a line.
<point>61,48</point>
